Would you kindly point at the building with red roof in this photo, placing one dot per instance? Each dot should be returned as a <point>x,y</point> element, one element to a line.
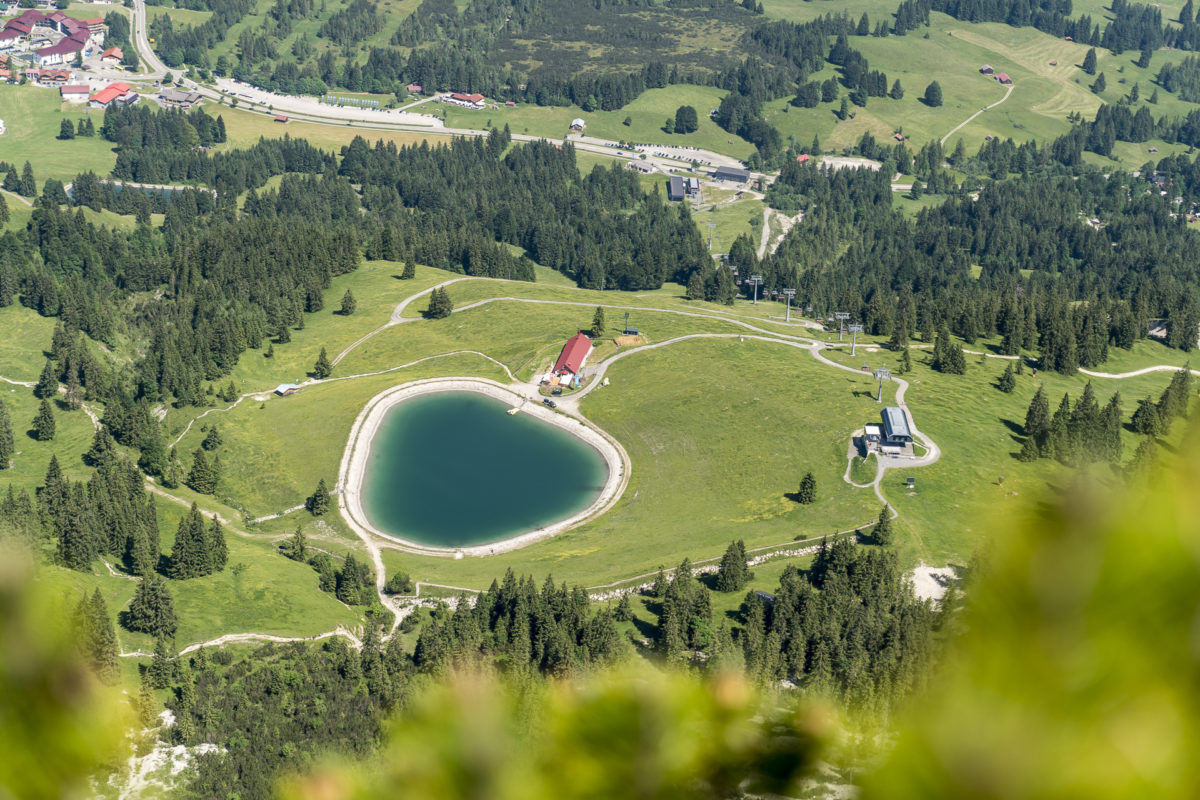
<point>115,92</point>
<point>1003,78</point>
<point>74,92</point>
<point>573,355</point>
<point>465,100</point>
<point>112,55</point>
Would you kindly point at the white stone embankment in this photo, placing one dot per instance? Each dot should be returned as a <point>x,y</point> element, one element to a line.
<point>358,450</point>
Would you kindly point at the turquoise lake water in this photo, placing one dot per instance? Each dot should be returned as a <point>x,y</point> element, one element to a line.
<point>453,469</point>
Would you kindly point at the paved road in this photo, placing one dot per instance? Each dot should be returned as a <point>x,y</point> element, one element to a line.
<point>156,69</point>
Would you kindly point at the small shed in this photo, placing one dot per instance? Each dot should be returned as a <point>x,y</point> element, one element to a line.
<point>578,124</point>
<point>280,118</point>
<point>1003,78</point>
<point>285,389</point>
<point>803,158</point>
<point>986,69</point>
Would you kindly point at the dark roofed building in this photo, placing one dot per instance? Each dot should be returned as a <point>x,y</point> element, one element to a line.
<point>675,188</point>
<point>176,98</point>
<point>735,174</point>
<point>895,425</point>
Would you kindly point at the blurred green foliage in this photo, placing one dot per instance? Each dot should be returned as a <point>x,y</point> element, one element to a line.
<point>644,734</point>
<point>58,725</point>
<point>1077,674</point>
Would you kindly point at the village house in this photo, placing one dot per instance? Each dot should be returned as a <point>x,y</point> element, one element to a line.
<point>473,101</point>
<point>112,55</point>
<point>1003,78</point>
<point>414,88</point>
<point>75,92</point>
<point>118,94</point>
<point>570,362</point>
<point>176,98</point>
<point>286,389</point>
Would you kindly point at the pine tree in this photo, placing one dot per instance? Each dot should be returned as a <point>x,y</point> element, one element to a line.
<point>74,395</point>
<point>322,368</point>
<point>66,130</point>
<point>102,447</point>
<point>284,335</point>
<point>733,574</point>
<point>152,610</point>
<point>882,532</point>
<point>7,443</point>
<point>598,322</point>
<point>1144,459</point>
<point>201,477</point>
<point>147,704</point>
<point>95,637</point>
<point>1037,420</point>
<point>1089,61</point>
<point>191,556</point>
<point>905,362</point>
<point>43,423</point>
<point>296,548</point>
<point>162,666</point>
<point>695,286</point>
<point>212,440</point>
<point>218,551</point>
<point>659,588</point>
<point>318,502</point>
<point>270,350</point>
<point>1029,450</point>
<point>933,95</point>
<point>1008,380</point>
<point>624,610</point>
<point>897,92</point>
<point>1146,420</point>
<point>1111,446</point>
<point>808,489</point>
<point>1061,442</point>
<point>28,186</point>
<point>349,304</point>
<point>1100,85</point>
<point>410,270</point>
<point>440,305</point>
<point>47,385</point>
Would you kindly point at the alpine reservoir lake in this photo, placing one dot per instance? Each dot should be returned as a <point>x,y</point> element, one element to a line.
<point>453,469</point>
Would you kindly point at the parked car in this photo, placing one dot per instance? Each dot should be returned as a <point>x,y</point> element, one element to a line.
<point>556,391</point>
<point>550,403</point>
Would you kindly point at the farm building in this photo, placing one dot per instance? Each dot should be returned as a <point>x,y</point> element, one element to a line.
<point>414,88</point>
<point>1003,78</point>
<point>734,174</point>
<point>280,118</point>
<point>803,158</point>
<point>895,426</point>
<point>986,69</point>
<point>574,354</point>
<point>578,124</point>
<point>285,389</point>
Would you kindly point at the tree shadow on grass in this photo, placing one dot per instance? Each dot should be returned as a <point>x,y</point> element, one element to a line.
<point>647,629</point>
<point>1017,429</point>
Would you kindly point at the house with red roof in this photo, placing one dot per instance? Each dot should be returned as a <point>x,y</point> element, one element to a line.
<point>474,101</point>
<point>112,55</point>
<point>574,354</point>
<point>119,93</point>
<point>1003,78</point>
<point>74,92</point>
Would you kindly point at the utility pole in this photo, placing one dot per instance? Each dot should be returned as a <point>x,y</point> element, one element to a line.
<point>841,317</point>
<point>855,330</point>
<point>757,281</point>
<point>710,224</point>
<point>789,294</point>
<point>882,374</point>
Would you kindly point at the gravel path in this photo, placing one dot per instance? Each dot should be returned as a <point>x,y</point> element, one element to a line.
<point>976,114</point>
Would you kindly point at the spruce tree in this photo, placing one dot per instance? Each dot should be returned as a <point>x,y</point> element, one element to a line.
<point>882,532</point>
<point>28,183</point>
<point>322,368</point>
<point>7,442</point>
<point>95,637</point>
<point>1037,420</point>
<point>270,353</point>
<point>808,489</point>
<point>318,502</point>
<point>733,574</point>
<point>1061,441</point>
<point>624,610</point>
<point>201,477</point>
<point>1144,459</point>
<point>66,130</point>
<point>349,304</point>
<point>296,548</point>
<point>284,334</point>
<point>191,556</point>
<point>1089,61</point>
<point>74,395</point>
<point>218,551</point>
<point>1100,85</point>
<point>897,92</point>
<point>695,286</point>
<point>147,704</point>
<point>440,305</point>
<point>598,322</point>
<point>410,270</point>
<point>43,423</point>
<point>1111,446</point>
<point>161,671</point>
<point>933,95</point>
<point>152,610</point>
<point>1008,380</point>
<point>47,385</point>
<point>212,440</point>
<point>1146,420</point>
<point>102,447</point>
<point>1029,450</point>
